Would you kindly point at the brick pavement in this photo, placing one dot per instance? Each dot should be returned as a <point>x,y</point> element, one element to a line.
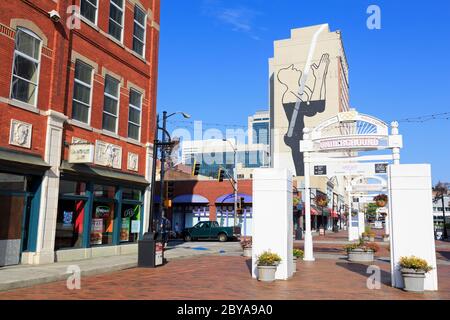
<point>229,278</point>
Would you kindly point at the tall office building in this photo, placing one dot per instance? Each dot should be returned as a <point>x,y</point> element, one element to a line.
<point>259,127</point>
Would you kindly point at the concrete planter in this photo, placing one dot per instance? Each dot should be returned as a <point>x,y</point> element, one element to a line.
<point>247,252</point>
<point>266,273</point>
<point>366,238</point>
<point>358,255</point>
<point>371,239</point>
<point>386,239</point>
<point>294,264</point>
<point>413,280</point>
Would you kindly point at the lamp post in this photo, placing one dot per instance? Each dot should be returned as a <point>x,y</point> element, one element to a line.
<point>235,180</point>
<point>163,156</point>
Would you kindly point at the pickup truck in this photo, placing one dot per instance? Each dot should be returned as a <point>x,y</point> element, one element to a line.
<point>212,231</point>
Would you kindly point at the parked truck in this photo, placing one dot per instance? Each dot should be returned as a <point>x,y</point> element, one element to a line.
<point>210,230</point>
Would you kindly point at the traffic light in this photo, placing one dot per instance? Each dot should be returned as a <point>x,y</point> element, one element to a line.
<point>240,205</point>
<point>195,168</point>
<point>170,189</point>
<point>220,174</point>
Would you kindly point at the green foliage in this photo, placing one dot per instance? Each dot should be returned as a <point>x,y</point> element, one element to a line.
<point>268,258</point>
<point>372,209</point>
<point>415,263</point>
<point>362,245</point>
<point>246,243</point>
<point>298,253</point>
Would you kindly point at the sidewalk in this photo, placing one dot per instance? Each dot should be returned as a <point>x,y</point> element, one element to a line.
<point>20,276</point>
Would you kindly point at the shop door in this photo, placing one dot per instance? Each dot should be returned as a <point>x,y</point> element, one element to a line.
<point>13,212</point>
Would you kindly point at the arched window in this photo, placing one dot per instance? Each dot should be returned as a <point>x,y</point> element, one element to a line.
<point>25,77</point>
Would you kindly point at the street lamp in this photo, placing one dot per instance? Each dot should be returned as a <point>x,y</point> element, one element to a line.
<point>235,179</point>
<point>163,154</point>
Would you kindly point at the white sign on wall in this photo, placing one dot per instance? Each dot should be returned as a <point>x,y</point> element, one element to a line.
<point>81,153</point>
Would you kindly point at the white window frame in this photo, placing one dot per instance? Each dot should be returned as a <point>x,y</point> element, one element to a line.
<point>145,30</point>
<point>38,70</point>
<point>90,86</point>
<point>140,115</point>
<point>117,99</point>
<point>96,12</point>
<point>113,21</point>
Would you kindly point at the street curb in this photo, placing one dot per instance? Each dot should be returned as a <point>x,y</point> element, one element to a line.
<point>60,277</point>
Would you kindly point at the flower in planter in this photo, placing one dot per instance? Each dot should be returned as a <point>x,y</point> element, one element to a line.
<point>362,245</point>
<point>246,243</point>
<point>268,258</point>
<point>298,253</point>
<point>415,263</point>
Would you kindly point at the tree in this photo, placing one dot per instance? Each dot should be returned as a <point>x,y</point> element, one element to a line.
<point>441,190</point>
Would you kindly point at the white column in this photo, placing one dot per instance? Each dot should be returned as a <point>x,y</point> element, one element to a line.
<point>361,222</point>
<point>395,137</point>
<point>387,229</point>
<point>411,223</point>
<point>50,191</point>
<point>308,241</point>
<point>272,225</point>
<point>148,190</point>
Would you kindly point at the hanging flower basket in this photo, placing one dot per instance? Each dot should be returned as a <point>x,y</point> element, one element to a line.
<point>381,200</point>
<point>321,200</point>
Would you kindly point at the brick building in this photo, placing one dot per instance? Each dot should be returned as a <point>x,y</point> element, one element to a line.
<point>77,117</point>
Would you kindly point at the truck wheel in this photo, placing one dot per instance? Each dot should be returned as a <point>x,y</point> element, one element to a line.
<point>223,237</point>
<point>187,238</point>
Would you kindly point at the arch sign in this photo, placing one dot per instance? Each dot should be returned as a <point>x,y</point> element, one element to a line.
<point>332,147</point>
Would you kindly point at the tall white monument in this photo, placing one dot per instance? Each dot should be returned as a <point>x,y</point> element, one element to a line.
<point>272,218</point>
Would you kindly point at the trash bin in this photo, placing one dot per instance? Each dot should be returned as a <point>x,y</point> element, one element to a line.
<point>299,234</point>
<point>150,251</point>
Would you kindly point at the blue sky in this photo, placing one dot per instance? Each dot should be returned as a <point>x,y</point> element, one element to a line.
<point>214,57</point>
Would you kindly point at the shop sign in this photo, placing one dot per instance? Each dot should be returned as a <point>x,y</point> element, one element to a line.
<point>81,153</point>
<point>125,230</point>
<point>135,226</point>
<point>102,212</point>
<point>97,231</point>
<point>359,142</point>
<point>159,253</point>
<point>349,169</point>
<point>67,218</point>
<point>128,213</point>
<point>107,154</point>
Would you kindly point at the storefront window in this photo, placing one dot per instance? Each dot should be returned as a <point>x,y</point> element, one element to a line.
<point>102,224</point>
<point>130,223</point>
<point>69,224</point>
<point>101,191</point>
<point>72,188</point>
<point>13,182</point>
<point>131,194</point>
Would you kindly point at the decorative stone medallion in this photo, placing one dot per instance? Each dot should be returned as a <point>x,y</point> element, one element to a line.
<point>133,161</point>
<point>20,134</point>
<point>76,140</point>
<point>108,155</point>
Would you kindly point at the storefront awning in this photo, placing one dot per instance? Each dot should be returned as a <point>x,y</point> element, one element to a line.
<point>314,210</point>
<point>22,162</point>
<point>105,174</point>
<point>190,198</point>
<point>229,198</point>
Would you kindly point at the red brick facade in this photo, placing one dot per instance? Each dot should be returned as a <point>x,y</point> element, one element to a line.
<point>211,190</point>
<point>60,47</point>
